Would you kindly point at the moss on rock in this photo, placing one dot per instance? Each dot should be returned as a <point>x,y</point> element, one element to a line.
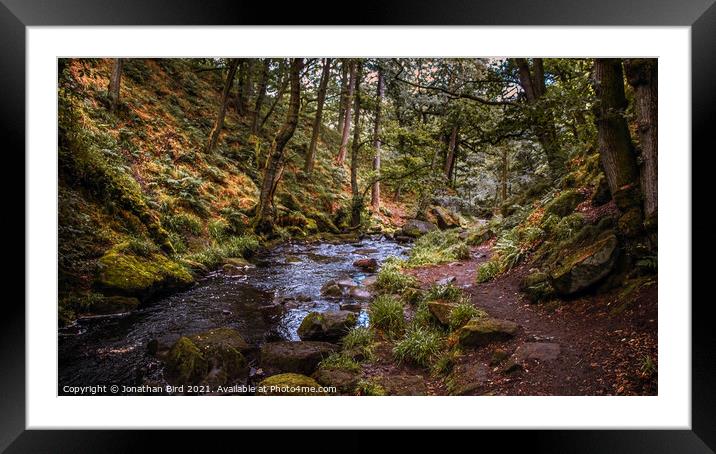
<point>126,273</point>
<point>564,203</point>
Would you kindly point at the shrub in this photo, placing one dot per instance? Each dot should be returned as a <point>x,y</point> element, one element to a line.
<point>438,247</point>
<point>358,336</point>
<point>462,313</point>
<point>391,279</point>
<point>445,363</point>
<point>568,226</point>
<point>386,313</point>
<point>240,246</point>
<point>184,223</point>
<point>444,293</point>
<point>339,361</point>
<point>419,345</point>
<point>487,271</point>
<point>218,229</point>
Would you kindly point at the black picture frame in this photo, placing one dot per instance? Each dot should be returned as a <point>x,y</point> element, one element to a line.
<point>16,15</point>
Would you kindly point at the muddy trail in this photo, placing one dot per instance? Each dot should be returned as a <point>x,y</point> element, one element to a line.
<point>593,345</point>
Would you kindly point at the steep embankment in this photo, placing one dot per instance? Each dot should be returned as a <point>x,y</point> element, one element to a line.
<point>142,208</point>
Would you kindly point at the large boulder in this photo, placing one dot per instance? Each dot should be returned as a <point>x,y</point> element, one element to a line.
<point>444,218</point>
<point>291,356</point>
<point>326,326</point>
<point>122,272</point>
<point>482,331</point>
<point>289,385</point>
<point>441,311</point>
<point>415,228</point>
<point>586,266</point>
<point>213,357</point>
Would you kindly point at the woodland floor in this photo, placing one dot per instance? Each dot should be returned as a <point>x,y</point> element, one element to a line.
<point>604,339</point>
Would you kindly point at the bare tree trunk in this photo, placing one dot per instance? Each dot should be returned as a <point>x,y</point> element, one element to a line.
<point>115,81</point>
<point>219,123</point>
<point>532,82</point>
<point>615,146</point>
<point>343,95</point>
<point>450,158</point>
<point>642,75</point>
<point>347,123</point>
<point>325,77</point>
<point>375,191</point>
<point>260,97</point>
<point>357,205</point>
<point>263,222</point>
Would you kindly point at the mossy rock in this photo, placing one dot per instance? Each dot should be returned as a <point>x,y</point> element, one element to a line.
<point>586,266</point>
<point>537,286</point>
<point>564,203</point>
<point>415,228</point>
<point>290,356</point>
<point>630,224</point>
<point>441,311</point>
<point>185,363</point>
<point>481,331</point>
<point>289,385</point>
<point>213,357</point>
<point>344,381</point>
<point>128,274</point>
<point>326,326</point>
<point>444,218</point>
<point>479,236</point>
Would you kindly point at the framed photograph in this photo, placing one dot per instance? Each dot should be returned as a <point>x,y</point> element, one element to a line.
<point>410,221</point>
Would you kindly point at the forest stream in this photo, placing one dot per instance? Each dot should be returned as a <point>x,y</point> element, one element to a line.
<point>105,350</point>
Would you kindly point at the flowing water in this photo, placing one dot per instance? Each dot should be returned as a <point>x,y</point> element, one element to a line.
<point>113,350</point>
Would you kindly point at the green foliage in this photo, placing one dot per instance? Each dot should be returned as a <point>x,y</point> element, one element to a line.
<point>368,387</point>
<point>487,271</point>
<point>419,345</point>
<point>445,362</point>
<point>184,223</point>
<point>462,313</point>
<point>339,361</point>
<point>648,366</point>
<point>359,338</point>
<point>391,279</point>
<point>386,313</point>
<point>438,247</point>
<point>448,292</point>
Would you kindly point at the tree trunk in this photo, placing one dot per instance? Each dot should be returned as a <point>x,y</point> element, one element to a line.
<point>505,174</point>
<point>325,77</point>
<point>115,81</point>
<point>532,82</point>
<point>347,122</point>
<point>260,97</point>
<point>450,158</point>
<point>245,86</point>
<point>343,96</point>
<point>615,146</point>
<point>219,123</point>
<point>263,222</point>
<point>375,191</point>
<point>642,75</point>
<point>357,205</point>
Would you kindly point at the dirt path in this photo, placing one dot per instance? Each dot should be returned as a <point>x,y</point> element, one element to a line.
<point>603,350</point>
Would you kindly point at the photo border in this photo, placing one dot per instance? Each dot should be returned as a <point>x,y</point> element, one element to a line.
<point>15,15</point>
